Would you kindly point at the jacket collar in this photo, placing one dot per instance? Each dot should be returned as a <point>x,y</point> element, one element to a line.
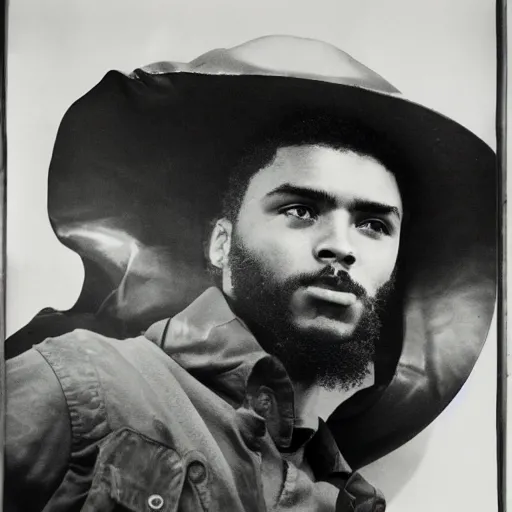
<point>214,345</point>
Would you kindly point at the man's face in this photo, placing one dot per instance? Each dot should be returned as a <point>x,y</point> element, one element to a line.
<point>314,245</point>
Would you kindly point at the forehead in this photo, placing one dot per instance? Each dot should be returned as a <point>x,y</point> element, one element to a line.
<point>343,174</point>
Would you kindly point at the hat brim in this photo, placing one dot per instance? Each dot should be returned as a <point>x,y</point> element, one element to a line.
<point>140,165</point>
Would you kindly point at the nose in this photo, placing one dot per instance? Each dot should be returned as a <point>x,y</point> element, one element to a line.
<point>334,246</point>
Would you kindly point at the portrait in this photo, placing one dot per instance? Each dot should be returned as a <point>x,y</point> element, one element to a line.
<point>253,256</point>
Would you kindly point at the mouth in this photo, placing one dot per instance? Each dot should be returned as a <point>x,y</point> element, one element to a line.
<point>333,296</point>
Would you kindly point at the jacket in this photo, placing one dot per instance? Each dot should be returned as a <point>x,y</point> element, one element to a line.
<point>191,416</point>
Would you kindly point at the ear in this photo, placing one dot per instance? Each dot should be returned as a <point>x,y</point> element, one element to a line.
<point>220,243</point>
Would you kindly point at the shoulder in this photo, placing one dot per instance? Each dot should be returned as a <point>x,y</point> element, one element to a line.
<point>31,381</point>
<point>54,393</point>
<point>85,361</point>
<point>81,346</point>
<point>63,376</point>
<point>98,373</point>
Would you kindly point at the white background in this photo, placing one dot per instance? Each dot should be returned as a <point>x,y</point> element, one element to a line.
<point>438,52</point>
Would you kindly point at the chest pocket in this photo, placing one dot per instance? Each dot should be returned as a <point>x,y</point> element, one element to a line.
<point>134,473</point>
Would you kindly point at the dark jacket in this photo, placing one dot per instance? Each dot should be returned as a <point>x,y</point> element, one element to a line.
<point>191,416</point>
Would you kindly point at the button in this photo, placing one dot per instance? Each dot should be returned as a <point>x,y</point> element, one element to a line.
<point>196,472</point>
<point>264,403</point>
<point>155,502</point>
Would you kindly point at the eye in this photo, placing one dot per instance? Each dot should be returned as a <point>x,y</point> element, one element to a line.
<point>300,211</point>
<point>374,227</point>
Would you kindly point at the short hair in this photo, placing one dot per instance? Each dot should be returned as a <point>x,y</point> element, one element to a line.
<point>306,128</point>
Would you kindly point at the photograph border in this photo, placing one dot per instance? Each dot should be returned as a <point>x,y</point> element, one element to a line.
<point>501,154</point>
<point>502,225</point>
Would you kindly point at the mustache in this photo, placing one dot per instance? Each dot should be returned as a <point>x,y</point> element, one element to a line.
<point>328,277</point>
<point>334,279</point>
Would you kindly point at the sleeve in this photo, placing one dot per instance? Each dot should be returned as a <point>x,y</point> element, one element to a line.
<point>37,435</point>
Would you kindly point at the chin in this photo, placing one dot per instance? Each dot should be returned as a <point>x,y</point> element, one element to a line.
<point>322,326</point>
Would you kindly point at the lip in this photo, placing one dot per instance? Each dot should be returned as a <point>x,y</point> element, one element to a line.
<point>345,299</point>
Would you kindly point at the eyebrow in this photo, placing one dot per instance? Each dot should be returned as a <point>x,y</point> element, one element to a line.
<point>322,196</point>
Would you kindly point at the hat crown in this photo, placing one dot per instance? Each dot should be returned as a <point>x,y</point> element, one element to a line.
<point>288,56</point>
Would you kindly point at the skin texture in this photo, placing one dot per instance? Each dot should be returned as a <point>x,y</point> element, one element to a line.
<point>312,214</point>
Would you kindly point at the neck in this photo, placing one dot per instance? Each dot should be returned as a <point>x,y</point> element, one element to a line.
<point>313,401</point>
<point>306,412</point>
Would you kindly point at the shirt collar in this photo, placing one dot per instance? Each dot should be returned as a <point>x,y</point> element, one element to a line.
<point>324,456</point>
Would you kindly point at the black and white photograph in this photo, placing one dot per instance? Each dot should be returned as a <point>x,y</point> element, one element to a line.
<point>251,256</point>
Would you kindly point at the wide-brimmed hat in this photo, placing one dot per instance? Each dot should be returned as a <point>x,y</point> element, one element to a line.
<point>141,163</point>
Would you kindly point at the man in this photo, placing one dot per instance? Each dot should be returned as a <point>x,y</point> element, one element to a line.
<point>217,408</point>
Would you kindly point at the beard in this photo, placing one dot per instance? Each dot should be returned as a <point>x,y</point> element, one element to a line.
<point>310,356</point>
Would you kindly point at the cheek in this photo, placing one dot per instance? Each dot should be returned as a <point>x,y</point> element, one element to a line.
<point>282,253</point>
<point>376,265</point>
